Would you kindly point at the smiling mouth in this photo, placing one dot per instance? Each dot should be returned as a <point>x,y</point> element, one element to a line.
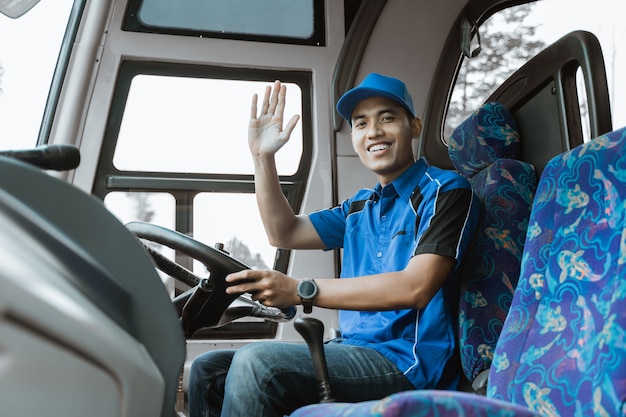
<point>378,147</point>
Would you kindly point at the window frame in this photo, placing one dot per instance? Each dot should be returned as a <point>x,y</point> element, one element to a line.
<point>132,23</point>
<point>185,186</point>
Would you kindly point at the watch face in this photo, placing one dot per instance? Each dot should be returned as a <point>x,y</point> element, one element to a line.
<point>307,289</point>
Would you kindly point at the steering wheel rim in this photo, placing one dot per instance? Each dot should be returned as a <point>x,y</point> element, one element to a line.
<point>171,268</point>
<point>213,259</point>
<point>204,305</point>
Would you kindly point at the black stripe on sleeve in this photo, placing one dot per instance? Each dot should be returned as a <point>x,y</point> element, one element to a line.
<point>358,205</point>
<point>444,234</point>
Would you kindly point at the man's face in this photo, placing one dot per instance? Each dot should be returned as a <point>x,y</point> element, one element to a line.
<point>382,134</point>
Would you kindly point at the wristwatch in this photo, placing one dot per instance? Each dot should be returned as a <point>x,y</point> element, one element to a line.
<point>307,290</point>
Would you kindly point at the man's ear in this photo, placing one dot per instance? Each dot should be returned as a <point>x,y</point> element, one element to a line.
<point>416,127</point>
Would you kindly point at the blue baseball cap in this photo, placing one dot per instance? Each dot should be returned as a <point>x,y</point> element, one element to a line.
<point>375,85</point>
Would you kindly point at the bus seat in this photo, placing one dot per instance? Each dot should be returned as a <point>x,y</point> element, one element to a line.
<point>484,149</point>
<point>562,350</point>
<point>563,346</point>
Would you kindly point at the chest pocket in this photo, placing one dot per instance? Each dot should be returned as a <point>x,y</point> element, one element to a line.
<point>386,237</point>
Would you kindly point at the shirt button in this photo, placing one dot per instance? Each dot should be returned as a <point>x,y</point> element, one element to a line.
<point>384,218</point>
<point>379,254</point>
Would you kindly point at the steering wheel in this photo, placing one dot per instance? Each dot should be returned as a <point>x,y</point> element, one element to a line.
<point>206,304</point>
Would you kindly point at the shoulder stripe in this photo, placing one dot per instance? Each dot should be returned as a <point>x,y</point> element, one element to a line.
<point>356,206</point>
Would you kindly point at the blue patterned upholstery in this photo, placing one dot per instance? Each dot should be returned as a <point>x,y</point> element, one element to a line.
<point>419,404</point>
<point>562,350</point>
<point>483,149</point>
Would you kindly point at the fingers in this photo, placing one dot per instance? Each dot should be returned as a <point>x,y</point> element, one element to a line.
<point>255,98</point>
<point>245,275</point>
<point>247,281</point>
<point>269,121</point>
<point>273,101</point>
<point>266,100</point>
<point>278,99</point>
<point>291,125</point>
<point>242,281</point>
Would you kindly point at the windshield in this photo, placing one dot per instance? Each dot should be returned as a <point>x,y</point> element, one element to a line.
<point>27,65</point>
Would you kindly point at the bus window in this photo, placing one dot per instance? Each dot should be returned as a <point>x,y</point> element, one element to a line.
<point>157,208</point>
<point>514,35</point>
<point>200,125</point>
<point>233,220</point>
<point>584,105</point>
<point>278,21</point>
<point>176,153</point>
<point>507,42</point>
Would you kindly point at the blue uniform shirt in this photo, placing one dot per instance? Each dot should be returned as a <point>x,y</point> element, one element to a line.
<point>425,210</point>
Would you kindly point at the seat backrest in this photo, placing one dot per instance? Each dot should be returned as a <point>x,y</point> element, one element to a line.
<point>484,150</point>
<point>562,350</point>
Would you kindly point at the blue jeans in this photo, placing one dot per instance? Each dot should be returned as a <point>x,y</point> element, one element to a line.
<point>266,379</point>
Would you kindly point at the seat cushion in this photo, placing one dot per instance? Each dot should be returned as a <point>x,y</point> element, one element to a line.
<point>418,404</point>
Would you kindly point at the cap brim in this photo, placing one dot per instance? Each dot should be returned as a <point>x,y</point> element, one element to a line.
<point>347,103</point>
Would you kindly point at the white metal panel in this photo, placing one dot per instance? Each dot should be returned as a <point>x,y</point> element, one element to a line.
<point>35,378</point>
<point>59,354</point>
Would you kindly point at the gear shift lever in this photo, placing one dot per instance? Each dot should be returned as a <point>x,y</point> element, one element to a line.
<point>312,331</point>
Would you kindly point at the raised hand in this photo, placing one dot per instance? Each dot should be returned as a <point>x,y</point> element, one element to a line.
<point>266,134</point>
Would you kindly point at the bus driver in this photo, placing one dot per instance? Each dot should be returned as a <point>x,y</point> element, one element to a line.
<point>403,241</point>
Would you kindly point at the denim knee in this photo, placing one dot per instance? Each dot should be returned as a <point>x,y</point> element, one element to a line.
<point>253,359</point>
<point>206,383</point>
<point>269,379</point>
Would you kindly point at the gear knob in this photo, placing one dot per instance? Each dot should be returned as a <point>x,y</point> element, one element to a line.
<point>312,331</point>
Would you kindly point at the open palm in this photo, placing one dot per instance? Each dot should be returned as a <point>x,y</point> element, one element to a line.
<point>266,134</point>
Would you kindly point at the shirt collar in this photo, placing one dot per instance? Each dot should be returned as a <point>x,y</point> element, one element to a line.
<point>407,181</point>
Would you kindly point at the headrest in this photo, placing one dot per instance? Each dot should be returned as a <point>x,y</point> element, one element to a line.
<point>489,134</point>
